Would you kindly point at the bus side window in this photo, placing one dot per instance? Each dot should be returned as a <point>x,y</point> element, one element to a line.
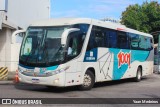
<point>149,44</point>
<point>123,42</point>
<point>75,43</point>
<point>92,43</point>
<point>72,46</point>
<point>111,39</point>
<point>134,41</point>
<point>145,43</point>
<point>100,37</point>
<point>142,43</point>
<point>97,38</point>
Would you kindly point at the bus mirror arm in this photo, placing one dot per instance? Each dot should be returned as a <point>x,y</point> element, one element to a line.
<point>65,35</point>
<point>15,34</point>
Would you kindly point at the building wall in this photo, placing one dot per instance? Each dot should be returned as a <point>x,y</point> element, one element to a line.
<point>15,49</point>
<point>2,47</point>
<point>8,48</point>
<point>19,13</point>
<point>24,12</point>
<point>5,48</point>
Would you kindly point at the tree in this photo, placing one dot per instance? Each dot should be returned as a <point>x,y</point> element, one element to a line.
<point>145,17</point>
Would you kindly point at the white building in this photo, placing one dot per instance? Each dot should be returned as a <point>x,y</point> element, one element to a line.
<point>17,14</point>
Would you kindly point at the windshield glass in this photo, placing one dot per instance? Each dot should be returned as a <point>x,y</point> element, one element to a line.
<point>42,46</point>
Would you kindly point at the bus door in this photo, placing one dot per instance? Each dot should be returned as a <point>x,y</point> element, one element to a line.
<point>74,45</point>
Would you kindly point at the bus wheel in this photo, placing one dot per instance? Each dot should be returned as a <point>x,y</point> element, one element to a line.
<point>138,75</point>
<point>88,81</point>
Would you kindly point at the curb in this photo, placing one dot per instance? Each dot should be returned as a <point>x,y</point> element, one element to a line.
<point>156,72</point>
<point>11,76</point>
<point>6,82</point>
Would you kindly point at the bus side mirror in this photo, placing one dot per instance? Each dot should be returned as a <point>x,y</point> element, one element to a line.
<point>65,35</point>
<point>20,33</point>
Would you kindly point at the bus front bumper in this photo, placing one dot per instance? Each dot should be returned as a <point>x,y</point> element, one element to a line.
<point>55,80</point>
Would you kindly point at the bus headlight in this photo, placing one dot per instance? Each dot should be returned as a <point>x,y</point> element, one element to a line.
<point>56,81</point>
<point>20,70</point>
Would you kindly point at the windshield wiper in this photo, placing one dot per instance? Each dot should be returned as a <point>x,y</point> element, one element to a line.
<point>53,57</point>
<point>46,53</point>
<point>57,52</point>
<point>29,55</point>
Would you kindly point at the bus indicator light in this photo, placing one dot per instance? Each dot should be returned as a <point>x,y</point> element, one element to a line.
<point>120,29</point>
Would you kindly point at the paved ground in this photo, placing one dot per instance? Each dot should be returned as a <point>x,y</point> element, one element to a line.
<point>149,87</point>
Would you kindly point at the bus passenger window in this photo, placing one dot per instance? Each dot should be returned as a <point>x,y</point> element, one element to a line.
<point>97,38</point>
<point>134,41</point>
<point>112,39</point>
<point>149,44</point>
<point>142,43</point>
<point>123,41</point>
<point>91,43</point>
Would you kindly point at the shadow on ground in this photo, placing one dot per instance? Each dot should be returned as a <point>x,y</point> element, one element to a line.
<point>50,89</point>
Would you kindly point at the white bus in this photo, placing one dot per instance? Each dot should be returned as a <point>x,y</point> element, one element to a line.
<point>81,51</point>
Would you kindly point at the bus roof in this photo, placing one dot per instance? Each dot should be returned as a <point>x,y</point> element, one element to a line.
<point>71,21</point>
<point>61,21</point>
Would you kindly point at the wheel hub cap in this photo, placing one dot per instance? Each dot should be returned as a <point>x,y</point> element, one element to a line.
<point>87,80</point>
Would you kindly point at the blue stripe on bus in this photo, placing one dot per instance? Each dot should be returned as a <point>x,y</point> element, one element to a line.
<point>26,66</point>
<point>52,68</point>
<point>136,55</point>
<point>47,68</point>
<point>118,72</point>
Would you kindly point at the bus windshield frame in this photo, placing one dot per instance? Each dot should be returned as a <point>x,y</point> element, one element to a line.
<point>41,46</point>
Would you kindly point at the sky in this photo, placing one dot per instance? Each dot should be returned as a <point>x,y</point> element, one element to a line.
<point>97,9</point>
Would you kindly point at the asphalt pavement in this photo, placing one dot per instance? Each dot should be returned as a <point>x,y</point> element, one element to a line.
<point>149,87</point>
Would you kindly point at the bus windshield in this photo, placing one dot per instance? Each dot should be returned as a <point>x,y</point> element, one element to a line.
<point>42,46</point>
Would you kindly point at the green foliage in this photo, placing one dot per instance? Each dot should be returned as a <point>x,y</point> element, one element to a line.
<point>145,17</point>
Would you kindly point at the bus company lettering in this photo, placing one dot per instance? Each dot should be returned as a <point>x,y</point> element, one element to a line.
<point>124,58</point>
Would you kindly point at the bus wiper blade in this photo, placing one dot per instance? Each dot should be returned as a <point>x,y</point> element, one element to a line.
<point>31,53</point>
<point>46,53</point>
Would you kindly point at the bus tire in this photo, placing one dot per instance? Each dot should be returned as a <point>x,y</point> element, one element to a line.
<point>88,81</point>
<point>138,75</point>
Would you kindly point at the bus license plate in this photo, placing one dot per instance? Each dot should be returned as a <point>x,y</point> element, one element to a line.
<point>35,80</point>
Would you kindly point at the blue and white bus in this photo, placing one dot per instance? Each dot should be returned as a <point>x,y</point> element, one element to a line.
<point>81,51</point>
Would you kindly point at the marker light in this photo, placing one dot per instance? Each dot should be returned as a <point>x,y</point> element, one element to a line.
<point>56,80</point>
<point>20,70</point>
